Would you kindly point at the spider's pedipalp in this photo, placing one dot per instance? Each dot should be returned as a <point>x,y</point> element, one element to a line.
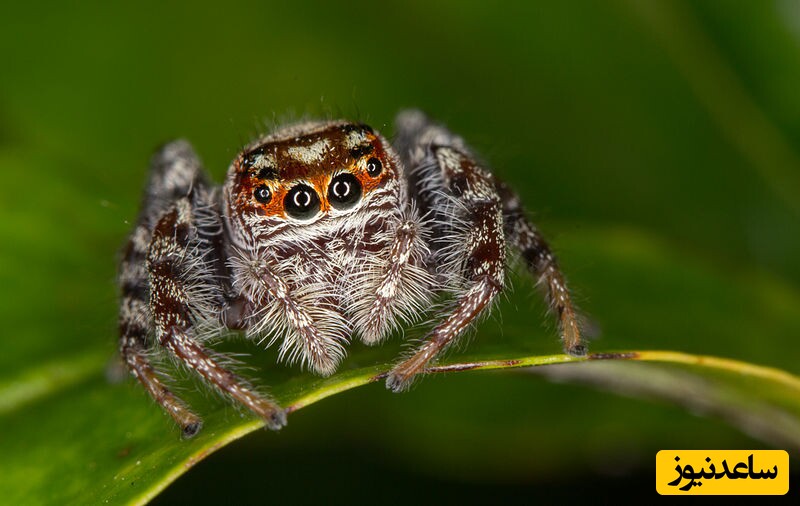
<point>400,286</point>
<point>311,332</point>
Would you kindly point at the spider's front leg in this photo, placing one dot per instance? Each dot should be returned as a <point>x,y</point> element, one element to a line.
<point>481,266</point>
<point>170,262</point>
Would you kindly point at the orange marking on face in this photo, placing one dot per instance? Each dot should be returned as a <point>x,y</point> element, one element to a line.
<point>369,183</point>
<point>337,157</point>
<point>275,206</point>
<point>320,183</point>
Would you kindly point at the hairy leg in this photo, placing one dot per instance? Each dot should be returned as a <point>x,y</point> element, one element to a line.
<point>478,253</point>
<point>174,171</point>
<point>169,263</point>
<point>526,238</point>
<point>134,328</point>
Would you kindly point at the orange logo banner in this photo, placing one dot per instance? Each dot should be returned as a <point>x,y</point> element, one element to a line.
<point>722,472</point>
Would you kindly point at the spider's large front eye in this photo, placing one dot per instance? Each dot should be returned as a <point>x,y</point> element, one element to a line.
<point>344,191</point>
<point>302,202</point>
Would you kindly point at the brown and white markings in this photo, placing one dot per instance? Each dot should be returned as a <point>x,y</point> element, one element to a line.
<point>323,232</point>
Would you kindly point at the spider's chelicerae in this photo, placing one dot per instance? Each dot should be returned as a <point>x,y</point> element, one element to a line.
<point>323,232</point>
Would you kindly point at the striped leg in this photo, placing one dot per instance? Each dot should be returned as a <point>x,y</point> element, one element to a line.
<point>135,326</point>
<point>174,171</point>
<point>168,263</point>
<point>526,238</point>
<point>482,268</point>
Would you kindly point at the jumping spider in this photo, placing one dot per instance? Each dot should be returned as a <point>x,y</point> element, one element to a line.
<point>323,231</point>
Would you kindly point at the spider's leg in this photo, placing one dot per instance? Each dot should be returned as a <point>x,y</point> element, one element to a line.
<point>175,170</point>
<point>170,263</point>
<point>526,238</point>
<point>477,255</point>
<point>134,327</point>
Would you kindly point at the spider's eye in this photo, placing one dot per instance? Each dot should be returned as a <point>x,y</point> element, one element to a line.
<point>263,194</point>
<point>374,167</point>
<point>344,191</point>
<point>302,202</point>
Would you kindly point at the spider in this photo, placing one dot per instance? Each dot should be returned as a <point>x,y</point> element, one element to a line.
<point>323,232</point>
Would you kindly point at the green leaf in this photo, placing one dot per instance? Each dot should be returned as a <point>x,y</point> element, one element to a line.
<point>126,455</point>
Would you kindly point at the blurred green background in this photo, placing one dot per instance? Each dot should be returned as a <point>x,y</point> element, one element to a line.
<point>657,144</point>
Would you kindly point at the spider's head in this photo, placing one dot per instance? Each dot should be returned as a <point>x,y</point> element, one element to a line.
<point>307,173</point>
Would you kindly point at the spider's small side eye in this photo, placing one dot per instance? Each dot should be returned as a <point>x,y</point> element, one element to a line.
<point>344,191</point>
<point>263,194</point>
<point>374,167</point>
<point>302,202</point>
